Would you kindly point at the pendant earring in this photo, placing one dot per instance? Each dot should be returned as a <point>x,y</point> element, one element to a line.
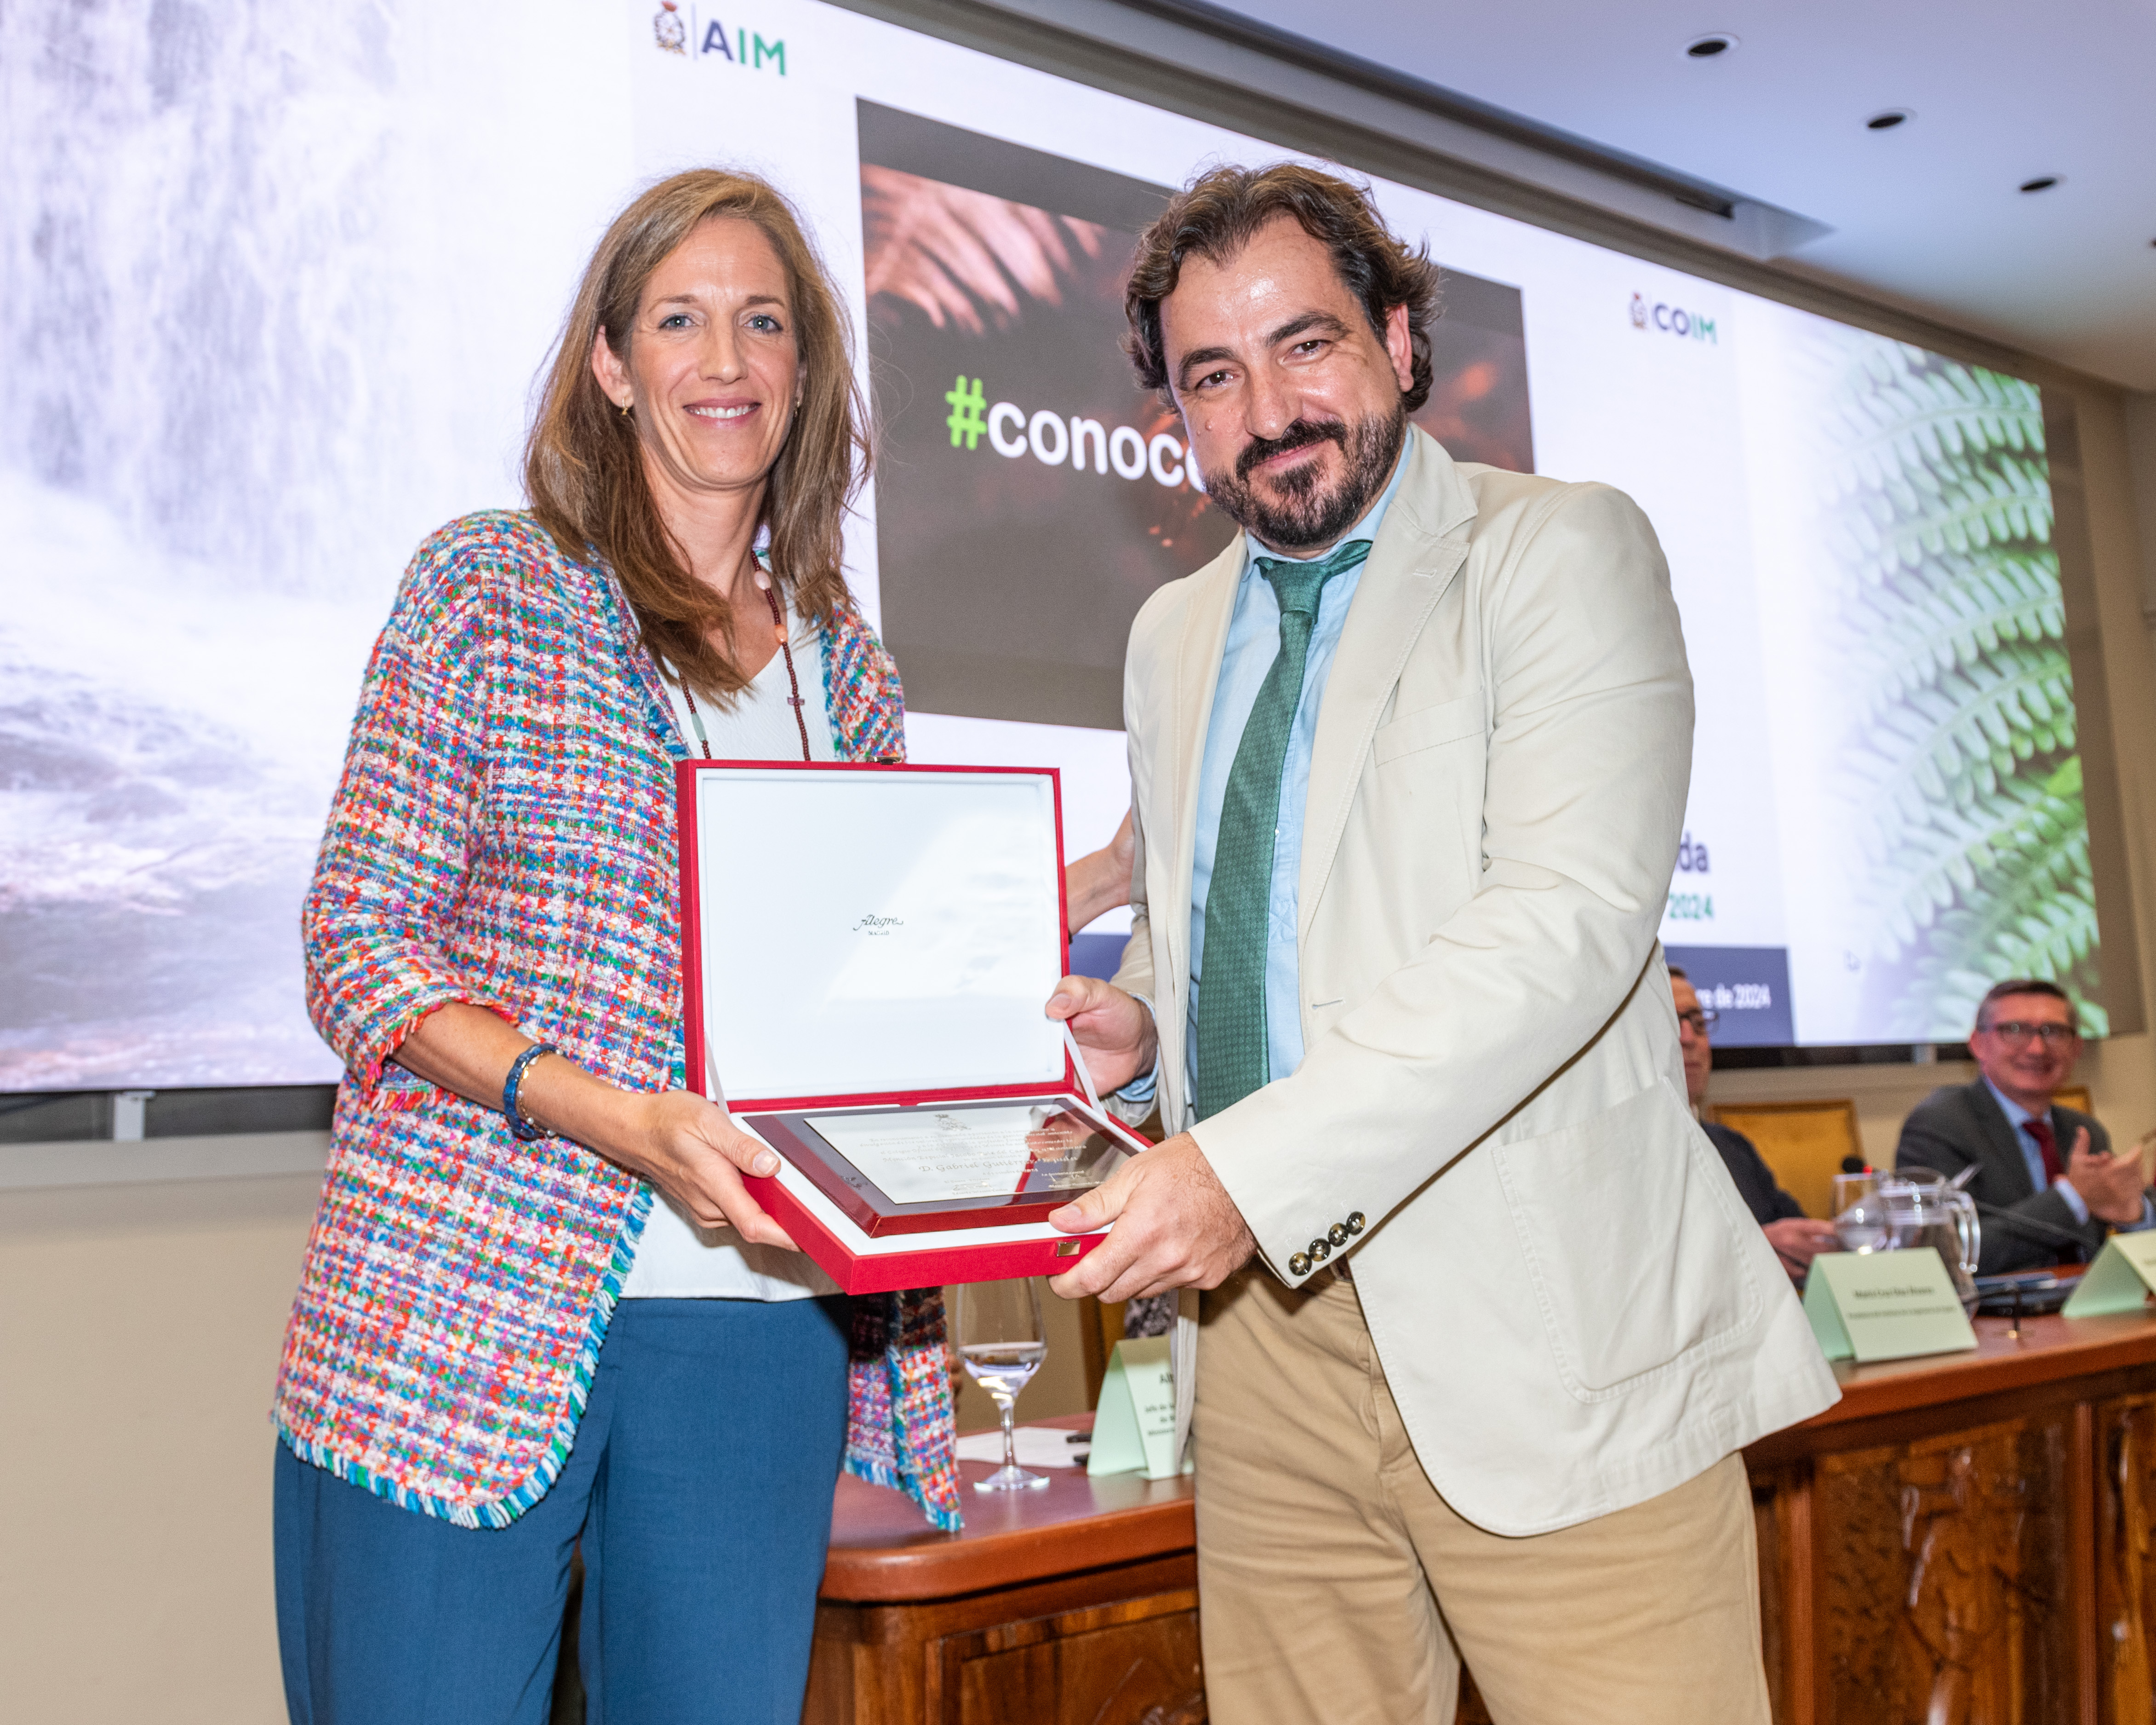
<point>624,409</point>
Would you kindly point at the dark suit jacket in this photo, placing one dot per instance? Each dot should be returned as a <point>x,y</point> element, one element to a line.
<point>1755,1180</point>
<point>2022,1226</point>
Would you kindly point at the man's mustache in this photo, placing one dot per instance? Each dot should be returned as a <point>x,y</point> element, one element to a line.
<point>1300,433</point>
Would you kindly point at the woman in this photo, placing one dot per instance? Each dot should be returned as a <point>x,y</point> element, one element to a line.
<point>501,1343</point>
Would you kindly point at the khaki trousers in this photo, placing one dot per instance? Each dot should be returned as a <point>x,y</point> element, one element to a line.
<point>1335,1583</point>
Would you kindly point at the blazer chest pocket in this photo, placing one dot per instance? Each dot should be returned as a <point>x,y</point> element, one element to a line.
<point>1633,1242</point>
<point>1428,728</point>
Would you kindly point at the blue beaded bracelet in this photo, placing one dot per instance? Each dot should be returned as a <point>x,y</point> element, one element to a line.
<point>518,1125</point>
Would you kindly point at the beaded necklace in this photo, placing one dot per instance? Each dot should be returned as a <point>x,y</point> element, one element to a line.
<point>793,682</point>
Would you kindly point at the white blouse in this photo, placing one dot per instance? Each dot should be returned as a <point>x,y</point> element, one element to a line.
<point>675,1260</point>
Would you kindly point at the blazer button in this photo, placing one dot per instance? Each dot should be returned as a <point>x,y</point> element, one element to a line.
<point>1339,1234</point>
<point>1299,1265</point>
<point>1355,1223</point>
<point>1319,1251</point>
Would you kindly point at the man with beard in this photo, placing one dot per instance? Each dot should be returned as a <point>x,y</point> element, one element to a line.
<point>1484,1324</point>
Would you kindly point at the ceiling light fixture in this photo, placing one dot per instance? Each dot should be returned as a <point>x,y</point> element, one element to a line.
<point>1706,48</point>
<point>1888,120</point>
<point>2042,182</point>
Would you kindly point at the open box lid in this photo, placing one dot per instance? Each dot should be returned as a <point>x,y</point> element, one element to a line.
<point>855,934</point>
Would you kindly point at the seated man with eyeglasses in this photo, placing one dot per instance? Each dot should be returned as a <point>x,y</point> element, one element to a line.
<point>1795,1238</point>
<point>2047,1186</point>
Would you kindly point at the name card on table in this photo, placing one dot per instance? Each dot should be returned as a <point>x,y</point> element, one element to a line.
<point>1134,1430</point>
<point>2124,1273</point>
<point>1870,1305</point>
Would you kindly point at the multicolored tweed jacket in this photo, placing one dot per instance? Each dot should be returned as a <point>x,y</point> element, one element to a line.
<point>503,834</point>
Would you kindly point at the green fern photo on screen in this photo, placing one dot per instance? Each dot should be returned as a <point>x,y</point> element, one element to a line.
<point>1961,748</point>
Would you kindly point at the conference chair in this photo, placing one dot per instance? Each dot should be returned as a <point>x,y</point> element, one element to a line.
<point>1802,1143</point>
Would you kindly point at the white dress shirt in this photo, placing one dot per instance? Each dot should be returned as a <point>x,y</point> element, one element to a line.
<point>675,1260</point>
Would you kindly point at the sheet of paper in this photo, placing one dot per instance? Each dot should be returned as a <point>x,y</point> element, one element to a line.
<point>1038,1446</point>
<point>923,1155</point>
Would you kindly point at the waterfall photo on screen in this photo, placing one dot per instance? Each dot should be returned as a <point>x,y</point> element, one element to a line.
<point>273,285</point>
<point>183,489</point>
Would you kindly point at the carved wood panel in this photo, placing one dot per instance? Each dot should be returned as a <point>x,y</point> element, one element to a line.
<point>1136,1663</point>
<point>2126,1558</point>
<point>1943,1588</point>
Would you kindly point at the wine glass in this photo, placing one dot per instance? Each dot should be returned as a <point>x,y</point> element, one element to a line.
<point>1001,1345</point>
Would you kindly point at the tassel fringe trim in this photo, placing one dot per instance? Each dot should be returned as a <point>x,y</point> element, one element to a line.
<point>500,1512</point>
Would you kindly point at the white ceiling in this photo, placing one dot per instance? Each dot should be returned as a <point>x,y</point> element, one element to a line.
<point>1927,214</point>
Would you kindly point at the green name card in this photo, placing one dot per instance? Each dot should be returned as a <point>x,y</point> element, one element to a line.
<point>2124,1271</point>
<point>1869,1306</point>
<point>1134,1430</point>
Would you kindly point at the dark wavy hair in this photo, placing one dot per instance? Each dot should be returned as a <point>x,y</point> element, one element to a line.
<point>1218,213</point>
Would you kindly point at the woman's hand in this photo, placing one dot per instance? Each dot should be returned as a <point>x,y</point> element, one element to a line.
<point>682,1144</point>
<point>688,1148</point>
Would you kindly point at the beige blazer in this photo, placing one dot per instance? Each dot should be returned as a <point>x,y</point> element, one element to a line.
<point>1573,1310</point>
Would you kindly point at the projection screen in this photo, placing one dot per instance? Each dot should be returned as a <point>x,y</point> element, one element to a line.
<point>277,282</point>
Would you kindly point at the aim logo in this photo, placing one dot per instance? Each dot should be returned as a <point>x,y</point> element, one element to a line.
<point>743,47</point>
<point>1673,320</point>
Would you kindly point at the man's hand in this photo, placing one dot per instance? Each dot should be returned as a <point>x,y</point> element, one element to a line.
<point>1798,1239</point>
<point>1114,1032</point>
<point>2111,1186</point>
<point>1176,1227</point>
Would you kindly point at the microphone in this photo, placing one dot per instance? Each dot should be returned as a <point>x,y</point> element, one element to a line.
<point>2030,1227</point>
<point>1854,1165</point>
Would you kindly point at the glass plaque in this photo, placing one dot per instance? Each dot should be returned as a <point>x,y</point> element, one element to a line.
<point>962,1165</point>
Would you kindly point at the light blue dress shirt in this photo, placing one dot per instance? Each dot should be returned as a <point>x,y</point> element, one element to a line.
<point>1252,644</point>
<point>2033,1159</point>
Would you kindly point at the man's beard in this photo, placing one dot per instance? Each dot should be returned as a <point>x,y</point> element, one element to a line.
<point>1304,517</point>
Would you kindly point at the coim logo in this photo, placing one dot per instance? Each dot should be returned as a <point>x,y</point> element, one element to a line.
<point>1674,320</point>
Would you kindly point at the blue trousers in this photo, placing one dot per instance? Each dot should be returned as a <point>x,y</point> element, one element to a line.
<point>700,1487</point>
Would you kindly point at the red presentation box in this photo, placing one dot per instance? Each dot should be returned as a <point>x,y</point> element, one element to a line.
<point>865,953</point>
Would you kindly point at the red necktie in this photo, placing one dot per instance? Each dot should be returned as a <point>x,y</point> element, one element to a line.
<point>2041,1130</point>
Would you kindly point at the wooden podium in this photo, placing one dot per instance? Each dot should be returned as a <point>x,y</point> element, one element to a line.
<point>1077,1603</point>
<point>1965,1537</point>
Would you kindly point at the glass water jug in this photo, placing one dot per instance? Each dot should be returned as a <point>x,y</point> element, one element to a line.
<point>1915,1207</point>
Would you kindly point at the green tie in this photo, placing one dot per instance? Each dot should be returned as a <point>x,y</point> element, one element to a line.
<point>1232,1058</point>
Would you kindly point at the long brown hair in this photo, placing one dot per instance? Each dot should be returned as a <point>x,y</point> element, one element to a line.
<point>584,469</point>
<point>1219,213</point>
